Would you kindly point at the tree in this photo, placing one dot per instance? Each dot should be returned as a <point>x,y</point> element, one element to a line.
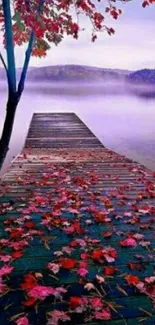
<point>39,23</point>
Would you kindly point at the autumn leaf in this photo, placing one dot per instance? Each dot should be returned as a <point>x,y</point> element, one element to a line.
<point>107,234</point>
<point>22,321</point>
<point>30,224</point>
<point>82,272</point>
<point>136,266</point>
<point>29,282</point>
<point>54,267</point>
<point>67,263</point>
<point>29,302</point>
<point>89,286</point>
<point>6,270</point>
<point>103,315</point>
<point>97,254</point>
<point>110,270</point>
<point>132,279</point>
<point>128,242</point>
<point>55,316</point>
<point>74,302</point>
<point>41,292</point>
<point>16,254</point>
<point>145,3</point>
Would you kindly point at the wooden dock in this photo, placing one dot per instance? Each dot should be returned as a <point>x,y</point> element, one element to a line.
<point>77,231</point>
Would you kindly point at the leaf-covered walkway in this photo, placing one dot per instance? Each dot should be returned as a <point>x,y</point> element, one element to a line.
<point>76,235</point>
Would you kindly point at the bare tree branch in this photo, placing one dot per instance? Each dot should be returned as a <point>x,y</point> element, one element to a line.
<point>3,62</point>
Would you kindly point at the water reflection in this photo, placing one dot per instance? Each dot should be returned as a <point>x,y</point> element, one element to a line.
<point>123,118</point>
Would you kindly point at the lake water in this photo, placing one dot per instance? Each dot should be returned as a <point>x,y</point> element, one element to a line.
<point>124,120</point>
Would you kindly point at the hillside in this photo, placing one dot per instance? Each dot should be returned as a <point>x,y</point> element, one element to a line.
<point>77,73</point>
<point>72,73</point>
<point>145,76</point>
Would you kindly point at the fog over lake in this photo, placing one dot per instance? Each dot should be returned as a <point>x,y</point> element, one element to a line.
<point>123,119</point>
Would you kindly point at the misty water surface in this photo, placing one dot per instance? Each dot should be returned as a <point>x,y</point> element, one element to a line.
<point>124,120</point>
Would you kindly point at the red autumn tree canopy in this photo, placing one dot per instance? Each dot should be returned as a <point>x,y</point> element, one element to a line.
<point>51,20</point>
<point>147,3</point>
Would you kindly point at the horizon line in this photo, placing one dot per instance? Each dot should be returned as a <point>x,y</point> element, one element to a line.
<point>83,65</point>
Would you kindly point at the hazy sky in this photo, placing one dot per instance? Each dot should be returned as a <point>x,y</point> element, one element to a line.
<point>132,47</point>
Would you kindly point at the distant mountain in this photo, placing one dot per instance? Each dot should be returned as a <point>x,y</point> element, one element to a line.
<point>145,76</point>
<point>75,73</point>
<point>71,73</point>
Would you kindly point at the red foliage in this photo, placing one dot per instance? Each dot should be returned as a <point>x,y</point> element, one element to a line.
<point>50,23</point>
<point>97,254</point>
<point>74,302</point>
<point>29,282</point>
<point>68,263</point>
<point>30,224</point>
<point>29,302</point>
<point>110,270</point>
<point>107,234</point>
<point>147,3</point>
<point>132,279</point>
<point>16,254</point>
<point>78,228</point>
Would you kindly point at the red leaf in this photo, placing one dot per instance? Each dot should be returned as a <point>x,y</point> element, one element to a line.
<point>84,256</point>
<point>15,233</point>
<point>135,266</point>
<point>110,270</point>
<point>74,302</point>
<point>29,282</point>
<point>97,254</point>
<point>107,234</point>
<point>68,263</point>
<point>78,228</point>
<point>94,37</point>
<point>16,254</point>
<point>30,302</point>
<point>73,243</point>
<point>145,3</point>
<point>30,224</point>
<point>132,279</point>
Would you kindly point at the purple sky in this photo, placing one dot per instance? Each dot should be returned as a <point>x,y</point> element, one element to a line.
<point>132,47</point>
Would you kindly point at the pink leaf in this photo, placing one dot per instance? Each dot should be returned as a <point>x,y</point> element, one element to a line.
<point>128,242</point>
<point>5,270</point>
<point>69,230</point>
<point>71,210</point>
<point>89,286</point>
<point>96,303</point>
<point>5,258</point>
<point>22,321</point>
<point>103,315</point>
<point>55,316</point>
<point>100,279</point>
<point>150,279</point>
<point>54,267</point>
<point>41,292</point>
<point>82,272</point>
<point>59,291</point>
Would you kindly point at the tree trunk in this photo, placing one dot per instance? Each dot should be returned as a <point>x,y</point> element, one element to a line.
<point>8,126</point>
